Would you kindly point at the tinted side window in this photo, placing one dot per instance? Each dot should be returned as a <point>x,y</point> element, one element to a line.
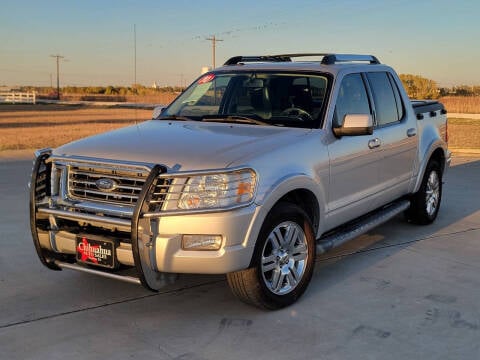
<point>398,98</point>
<point>352,98</point>
<point>384,98</point>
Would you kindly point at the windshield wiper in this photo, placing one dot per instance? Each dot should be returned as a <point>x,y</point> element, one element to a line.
<point>173,117</point>
<point>233,119</point>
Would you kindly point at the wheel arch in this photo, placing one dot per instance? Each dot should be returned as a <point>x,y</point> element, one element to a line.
<point>437,154</point>
<point>307,201</point>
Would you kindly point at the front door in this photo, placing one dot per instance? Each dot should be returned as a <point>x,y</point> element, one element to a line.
<point>354,160</point>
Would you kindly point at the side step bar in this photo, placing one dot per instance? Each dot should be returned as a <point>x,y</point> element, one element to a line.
<point>129,279</point>
<point>357,228</point>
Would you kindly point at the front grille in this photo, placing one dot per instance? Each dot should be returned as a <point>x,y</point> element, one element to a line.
<point>83,184</point>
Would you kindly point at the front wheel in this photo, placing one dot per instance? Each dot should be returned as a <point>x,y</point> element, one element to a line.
<point>426,201</point>
<point>282,263</point>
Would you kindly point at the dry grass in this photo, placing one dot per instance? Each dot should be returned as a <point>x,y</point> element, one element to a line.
<point>464,133</point>
<point>462,104</point>
<point>38,126</point>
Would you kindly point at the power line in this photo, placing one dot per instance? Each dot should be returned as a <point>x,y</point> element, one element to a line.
<point>214,42</point>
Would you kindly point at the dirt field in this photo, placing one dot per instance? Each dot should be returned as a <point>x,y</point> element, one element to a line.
<point>41,125</point>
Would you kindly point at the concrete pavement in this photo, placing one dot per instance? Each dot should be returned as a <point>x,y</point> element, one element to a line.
<point>398,292</point>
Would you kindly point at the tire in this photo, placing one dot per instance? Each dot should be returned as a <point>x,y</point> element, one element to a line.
<point>425,203</point>
<point>282,263</point>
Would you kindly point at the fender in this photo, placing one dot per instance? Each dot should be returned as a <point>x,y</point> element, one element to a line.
<point>431,141</point>
<point>267,199</point>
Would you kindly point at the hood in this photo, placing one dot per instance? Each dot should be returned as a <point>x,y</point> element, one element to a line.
<point>183,145</point>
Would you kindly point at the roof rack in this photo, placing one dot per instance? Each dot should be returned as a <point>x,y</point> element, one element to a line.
<point>328,58</point>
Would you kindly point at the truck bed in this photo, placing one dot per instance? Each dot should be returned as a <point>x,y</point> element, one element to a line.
<point>423,106</point>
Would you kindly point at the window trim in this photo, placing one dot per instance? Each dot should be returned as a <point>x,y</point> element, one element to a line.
<point>398,97</point>
<point>371,100</point>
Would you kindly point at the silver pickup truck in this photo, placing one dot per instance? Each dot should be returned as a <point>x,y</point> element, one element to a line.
<point>256,168</point>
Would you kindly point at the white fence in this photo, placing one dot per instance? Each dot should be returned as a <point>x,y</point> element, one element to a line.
<point>18,97</point>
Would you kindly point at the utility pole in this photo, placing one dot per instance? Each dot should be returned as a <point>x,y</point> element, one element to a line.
<point>214,42</point>
<point>58,57</point>
<point>135,58</point>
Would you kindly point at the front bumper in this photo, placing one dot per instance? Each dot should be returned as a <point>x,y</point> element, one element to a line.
<point>152,245</point>
<point>234,254</point>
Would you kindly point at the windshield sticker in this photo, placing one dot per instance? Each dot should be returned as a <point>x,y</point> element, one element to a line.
<point>205,79</point>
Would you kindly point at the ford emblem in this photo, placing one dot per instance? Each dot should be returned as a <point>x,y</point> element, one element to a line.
<point>106,185</point>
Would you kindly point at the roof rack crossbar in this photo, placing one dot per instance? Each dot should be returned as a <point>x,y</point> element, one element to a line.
<point>263,58</point>
<point>328,58</point>
<point>335,58</point>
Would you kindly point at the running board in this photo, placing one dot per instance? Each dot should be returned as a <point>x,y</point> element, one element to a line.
<point>129,279</point>
<point>360,227</point>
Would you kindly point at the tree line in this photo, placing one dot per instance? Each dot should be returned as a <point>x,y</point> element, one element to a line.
<point>417,87</point>
<point>104,90</point>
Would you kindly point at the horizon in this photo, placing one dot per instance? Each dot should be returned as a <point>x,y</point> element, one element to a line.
<point>433,39</point>
<point>174,87</point>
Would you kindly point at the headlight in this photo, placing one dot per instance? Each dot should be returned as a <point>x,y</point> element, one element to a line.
<point>224,190</point>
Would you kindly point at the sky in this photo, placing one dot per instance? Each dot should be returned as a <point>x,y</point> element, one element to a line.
<point>439,40</point>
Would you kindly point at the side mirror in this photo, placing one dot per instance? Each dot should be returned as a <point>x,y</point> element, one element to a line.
<point>157,110</point>
<point>355,125</point>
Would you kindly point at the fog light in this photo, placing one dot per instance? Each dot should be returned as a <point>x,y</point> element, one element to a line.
<point>201,242</point>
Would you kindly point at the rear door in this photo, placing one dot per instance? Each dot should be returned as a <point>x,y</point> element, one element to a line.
<point>398,139</point>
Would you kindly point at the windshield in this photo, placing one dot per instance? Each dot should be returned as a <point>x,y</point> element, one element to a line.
<point>284,99</point>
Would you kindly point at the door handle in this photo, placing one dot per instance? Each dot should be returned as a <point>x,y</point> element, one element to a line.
<point>411,132</point>
<point>374,143</point>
